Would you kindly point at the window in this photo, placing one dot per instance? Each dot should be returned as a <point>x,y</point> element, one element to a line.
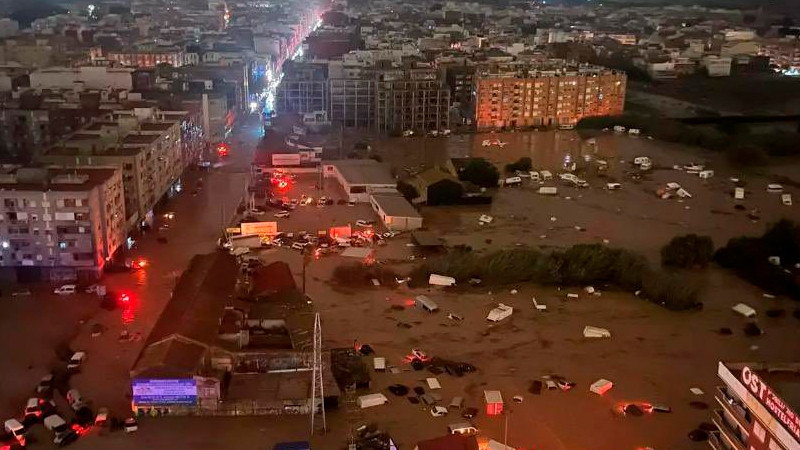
<point>69,202</point>
<point>62,245</point>
<point>10,203</point>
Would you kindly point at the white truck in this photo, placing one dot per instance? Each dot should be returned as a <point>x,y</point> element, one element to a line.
<point>246,241</point>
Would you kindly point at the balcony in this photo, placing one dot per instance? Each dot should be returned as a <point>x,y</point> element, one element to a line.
<point>714,441</point>
<point>732,407</point>
<point>727,432</point>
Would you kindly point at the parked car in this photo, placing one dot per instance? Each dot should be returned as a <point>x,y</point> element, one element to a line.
<point>438,411</point>
<point>469,413</point>
<point>67,289</point>
<point>45,385</point>
<point>94,289</point>
<point>75,400</point>
<point>363,223</point>
<point>21,293</point>
<point>76,360</point>
<point>101,419</point>
<point>131,425</point>
<point>282,215</point>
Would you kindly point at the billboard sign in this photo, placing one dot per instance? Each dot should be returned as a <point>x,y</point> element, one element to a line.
<point>779,409</point>
<point>182,391</point>
<point>285,159</point>
<point>259,228</point>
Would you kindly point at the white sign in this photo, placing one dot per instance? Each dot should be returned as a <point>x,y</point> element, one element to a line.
<point>285,159</point>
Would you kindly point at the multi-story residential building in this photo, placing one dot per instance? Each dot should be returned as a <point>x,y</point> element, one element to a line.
<point>757,407</point>
<point>411,99</point>
<point>784,54</point>
<point>60,224</point>
<point>145,146</point>
<point>352,102</point>
<point>145,57</point>
<point>304,88</point>
<point>86,77</point>
<point>530,96</point>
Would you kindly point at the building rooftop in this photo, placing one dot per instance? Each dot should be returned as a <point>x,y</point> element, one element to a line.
<point>58,180</point>
<point>156,126</point>
<point>133,139</point>
<point>364,171</point>
<point>396,205</point>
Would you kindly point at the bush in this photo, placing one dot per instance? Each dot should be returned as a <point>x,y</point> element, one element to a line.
<point>358,275</point>
<point>408,191</point>
<point>445,192</point>
<point>748,257</point>
<point>523,165</point>
<point>671,290</point>
<point>688,251</point>
<point>581,265</point>
<point>480,172</point>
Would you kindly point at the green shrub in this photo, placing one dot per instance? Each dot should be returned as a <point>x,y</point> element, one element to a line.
<point>589,264</point>
<point>480,172</point>
<point>669,289</point>
<point>688,251</point>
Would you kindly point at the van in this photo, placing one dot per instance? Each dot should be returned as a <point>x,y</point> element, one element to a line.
<point>546,175</point>
<point>548,190</point>
<point>15,428</point>
<point>74,399</point>
<point>370,400</point>
<point>379,364</point>
<point>462,428</point>
<point>67,289</point>
<point>426,304</point>
<point>705,174</point>
<point>456,403</point>
<point>535,176</point>
<point>513,181</point>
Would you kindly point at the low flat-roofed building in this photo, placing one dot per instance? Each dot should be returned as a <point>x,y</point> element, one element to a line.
<point>396,212</point>
<point>757,407</point>
<point>361,178</point>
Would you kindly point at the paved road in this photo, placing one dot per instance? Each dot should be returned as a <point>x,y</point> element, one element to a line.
<point>194,230</point>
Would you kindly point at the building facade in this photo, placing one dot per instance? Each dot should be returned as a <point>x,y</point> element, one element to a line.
<point>757,407</point>
<point>59,224</point>
<point>145,146</point>
<point>526,98</point>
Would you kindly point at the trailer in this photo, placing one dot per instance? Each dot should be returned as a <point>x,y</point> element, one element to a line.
<point>494,403</point>
<point>245,241</point>
<point>370,400</point>
<point>441,280</point>
<point>548,190</point>
<point>379,364</point>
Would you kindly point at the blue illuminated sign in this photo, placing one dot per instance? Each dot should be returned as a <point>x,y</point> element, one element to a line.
<point>165,392</point>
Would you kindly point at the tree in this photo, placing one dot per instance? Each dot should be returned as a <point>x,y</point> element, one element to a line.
<point>445,192</point>
<point>408,191</point>
<point>480,172</point>
<point>523,165</point>
<point>688,251</point>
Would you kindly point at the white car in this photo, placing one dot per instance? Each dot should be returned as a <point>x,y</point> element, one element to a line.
<point>363,223</point>
<point>94,289</point>
<point>76,361</point>
<point>282,215</point>
<point>67,289</point>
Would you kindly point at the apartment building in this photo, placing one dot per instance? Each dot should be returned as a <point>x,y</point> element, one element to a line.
<point>174,56</point>
<point>757,407</point>
<point>85,77</point>
<point>411,99</point>
<point>144,144</point>
<point>524,97</point>
<point>60,224</point>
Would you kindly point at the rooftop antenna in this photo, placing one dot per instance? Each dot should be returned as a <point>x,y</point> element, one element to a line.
<point>317,390</point>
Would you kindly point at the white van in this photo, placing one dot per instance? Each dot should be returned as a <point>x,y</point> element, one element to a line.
<point>462,428</point>
<point>548,190</point>
<point>67,289</point>
<point>534,176</point>
<point>513,181</point>
<point>15,428</point>
<point>546,175</point>
<point>370,400</point>
<point>705,174</point>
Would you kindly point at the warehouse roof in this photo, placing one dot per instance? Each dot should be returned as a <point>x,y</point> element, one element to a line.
<point>395,206</point>
<point>364,171</point>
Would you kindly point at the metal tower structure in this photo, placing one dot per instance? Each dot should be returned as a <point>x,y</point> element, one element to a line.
<point>317,390</point>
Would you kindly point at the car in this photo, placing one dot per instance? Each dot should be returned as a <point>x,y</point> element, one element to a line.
<point>282,215</point>
<point>75,400</point>
<point>76,360</point>
<point>565,385</point>
<point>660,408</point>
<point>298,246</point>
<point>321,202</point>
<point>45,384</point>
<point>66,289</point>
<point>351,203</point>
<point>168,215</point>
<point>95,289</point>
<point>34,407</point>
<point>363,223</point>
<point>419,354</point>
<point>21,293</point>
<point>438,411</point>
<point>66,437</point>
<point>469,413</point>
<point>294,202</point>
<point>101,419</point>
<point>130,425</point>
<point>517,399</point>
<point>307,201</point>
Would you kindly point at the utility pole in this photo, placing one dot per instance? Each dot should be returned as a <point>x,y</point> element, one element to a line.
<point>317,389</point>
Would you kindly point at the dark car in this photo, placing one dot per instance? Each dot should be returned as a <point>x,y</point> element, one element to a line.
<point>469,413</point>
